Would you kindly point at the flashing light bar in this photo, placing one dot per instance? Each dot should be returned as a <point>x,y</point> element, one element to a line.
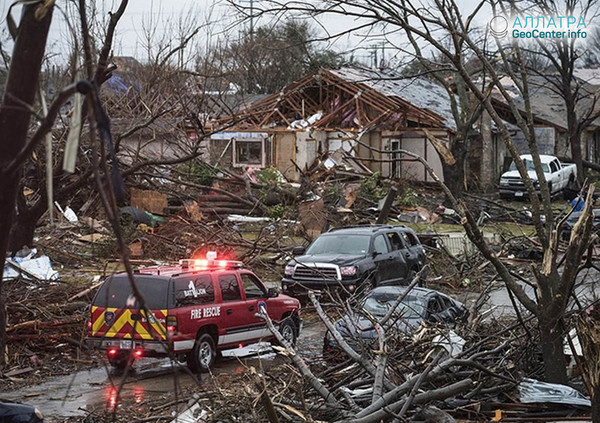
<point>210,262</point>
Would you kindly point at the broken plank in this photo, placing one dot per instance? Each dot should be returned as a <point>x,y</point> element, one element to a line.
<point>85,291</point>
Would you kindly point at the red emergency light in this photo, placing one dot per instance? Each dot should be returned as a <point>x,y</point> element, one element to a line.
<point>210,262</point>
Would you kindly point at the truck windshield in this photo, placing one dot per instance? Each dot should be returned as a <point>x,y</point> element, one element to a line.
<point>529,166</point>
<point>340,244</point>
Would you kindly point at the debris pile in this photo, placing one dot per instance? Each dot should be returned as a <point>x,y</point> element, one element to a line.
<point>46,328</point>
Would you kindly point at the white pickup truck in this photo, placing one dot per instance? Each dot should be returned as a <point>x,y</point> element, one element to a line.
<point>557,176</point>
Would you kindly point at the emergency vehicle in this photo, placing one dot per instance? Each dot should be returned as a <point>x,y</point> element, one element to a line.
<point>194,309</point>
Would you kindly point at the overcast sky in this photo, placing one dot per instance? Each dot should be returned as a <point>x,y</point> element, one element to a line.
<point>162,17</point>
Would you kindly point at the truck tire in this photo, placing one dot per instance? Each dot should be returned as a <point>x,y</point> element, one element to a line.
<point>287,329</point>
<point>550,188</point>
<point>203,355</point>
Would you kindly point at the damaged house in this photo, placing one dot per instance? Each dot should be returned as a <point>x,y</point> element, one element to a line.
<point>550,115</point>
<point>361,113</point>
<point>367,114</point>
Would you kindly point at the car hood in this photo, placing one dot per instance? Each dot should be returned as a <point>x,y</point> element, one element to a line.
<point>515,174</point>
<point>358,326</point>
<point>339,259</point>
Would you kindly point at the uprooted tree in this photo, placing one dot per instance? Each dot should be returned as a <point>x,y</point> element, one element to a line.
<point>443,27</point>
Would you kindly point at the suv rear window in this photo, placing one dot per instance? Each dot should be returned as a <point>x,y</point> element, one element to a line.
<point>117,292</point>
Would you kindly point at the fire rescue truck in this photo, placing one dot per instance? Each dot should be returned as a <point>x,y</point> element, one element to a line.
<point>194,310</point>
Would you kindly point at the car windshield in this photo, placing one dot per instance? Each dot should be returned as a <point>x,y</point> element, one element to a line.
<point>378,304</point>
<point>340,244</point>
<point>529,166</point>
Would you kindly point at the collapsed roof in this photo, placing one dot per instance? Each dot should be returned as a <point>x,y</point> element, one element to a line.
<point>351,98</point>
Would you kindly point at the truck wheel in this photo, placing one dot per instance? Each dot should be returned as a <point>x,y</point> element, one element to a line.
<point>203,355</point>
<point>120,359</point>
<point>550,188</point>
<point>287,329</point>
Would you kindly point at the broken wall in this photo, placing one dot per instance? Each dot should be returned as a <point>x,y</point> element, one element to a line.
<point>415,142</point>
<point>285,152</point>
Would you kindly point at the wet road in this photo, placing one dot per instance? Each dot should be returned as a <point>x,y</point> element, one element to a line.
<point>586,291</point>
<point>93,390</point>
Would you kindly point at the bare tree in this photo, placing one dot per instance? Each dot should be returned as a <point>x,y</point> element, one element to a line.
<point>428,23</point>
<point>15,115</point>
<point>161,90</point>
<point>265,59</point>
<point>562,56</point>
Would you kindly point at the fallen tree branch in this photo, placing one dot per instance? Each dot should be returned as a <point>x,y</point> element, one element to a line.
<point>302,366</point>
<point>432,395</point>
<point>362,361</point>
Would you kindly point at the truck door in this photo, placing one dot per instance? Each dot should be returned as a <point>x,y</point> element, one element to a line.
<point>193,295</point>
<point>399,268</point>
<point>255,293</point>
<point>414,253</point>
<point>383,258</point>
<point>233,311</point>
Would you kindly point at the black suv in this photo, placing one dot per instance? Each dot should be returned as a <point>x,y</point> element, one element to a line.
<point>350,257</point>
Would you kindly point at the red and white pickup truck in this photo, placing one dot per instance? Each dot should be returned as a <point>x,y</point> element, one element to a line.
<point>557,176</point>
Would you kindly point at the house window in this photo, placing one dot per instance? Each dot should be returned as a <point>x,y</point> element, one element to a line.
<point>248,152</point>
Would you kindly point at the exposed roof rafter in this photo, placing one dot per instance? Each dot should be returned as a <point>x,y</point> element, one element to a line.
<point>344,103</point>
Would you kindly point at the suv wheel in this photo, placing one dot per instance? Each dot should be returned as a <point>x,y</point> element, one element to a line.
<point>287,328</point>
<point>203,355</point>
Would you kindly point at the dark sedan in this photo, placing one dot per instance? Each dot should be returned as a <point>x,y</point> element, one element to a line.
<point>418,305</point>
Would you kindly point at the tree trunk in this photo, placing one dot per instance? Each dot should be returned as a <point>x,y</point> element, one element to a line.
<point>596,404</point>
<point>454,178</point>
<point>23,225</point>
<point>454,174</point>
<point>551,338</point>
<point>21,87</point>
<point>22,232</point>
<point>574,135</point>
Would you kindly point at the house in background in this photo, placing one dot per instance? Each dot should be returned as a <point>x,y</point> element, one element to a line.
<point>368,114</point>
<point>550,115</point>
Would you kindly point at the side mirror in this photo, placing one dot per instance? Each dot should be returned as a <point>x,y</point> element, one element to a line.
<point>272,293</point>
<point>376,253</point>
<point>298,251</point>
